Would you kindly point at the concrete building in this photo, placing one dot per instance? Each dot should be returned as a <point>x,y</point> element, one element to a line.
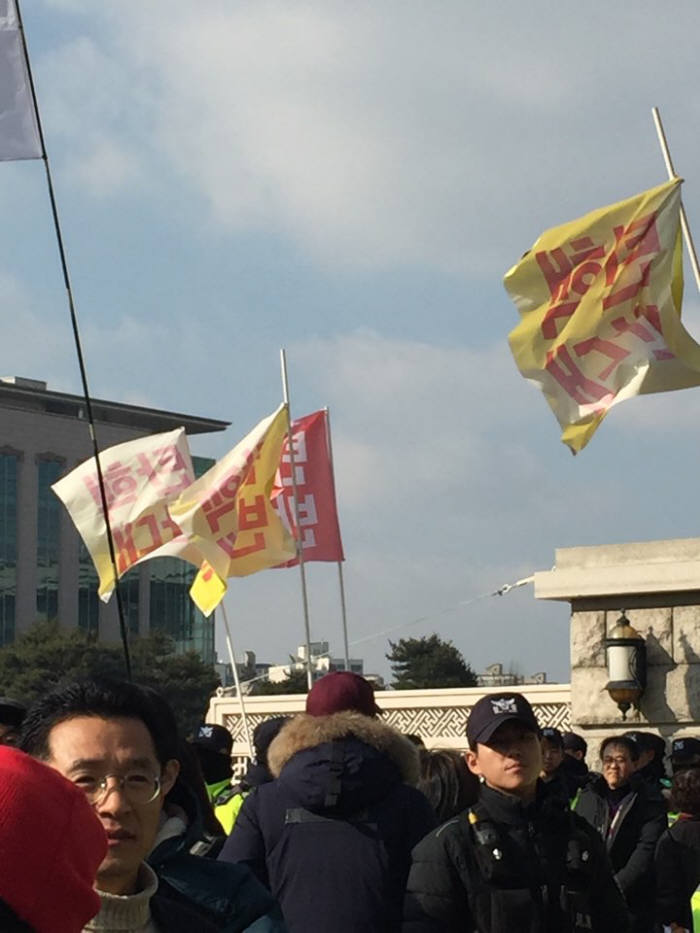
<point>495,676</point>
<point>321,663</point>
<point>45,571</point>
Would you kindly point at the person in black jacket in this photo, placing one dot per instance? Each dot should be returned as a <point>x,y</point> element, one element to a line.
<point>517,861</point>
<point>332,835</point>
<point>630,815</point>
<point>677,859</point>
<point>119,746</point>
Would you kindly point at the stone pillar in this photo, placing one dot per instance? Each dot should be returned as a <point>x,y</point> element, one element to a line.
<point>657,583</point>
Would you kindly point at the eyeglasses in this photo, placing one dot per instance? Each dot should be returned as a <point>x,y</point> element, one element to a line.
<point>609,762</point>
<point>138,788</point>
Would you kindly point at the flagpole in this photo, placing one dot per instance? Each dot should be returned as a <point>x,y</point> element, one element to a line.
<point>295,498</point>
<point>237,680</point>
<point>78,345</point>
<point>685,227</point>
<point>346,647</point>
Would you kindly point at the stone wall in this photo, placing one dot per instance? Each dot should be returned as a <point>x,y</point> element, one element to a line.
<point>658,585</point>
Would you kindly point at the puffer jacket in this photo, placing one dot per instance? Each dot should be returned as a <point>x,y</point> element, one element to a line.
<point>332,835</point>
<point>677,864</point>
<point>227,896</point>
<point>504,866</point>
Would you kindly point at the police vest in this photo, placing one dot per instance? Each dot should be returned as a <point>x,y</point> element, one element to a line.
<point>501,897</point>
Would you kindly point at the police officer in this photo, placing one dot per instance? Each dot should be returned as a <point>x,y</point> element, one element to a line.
<point>517,861</point>
<point>213,745</point>
<point>685,753</point>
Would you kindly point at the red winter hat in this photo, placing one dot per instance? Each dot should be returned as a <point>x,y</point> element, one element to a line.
<point>341,690</point>
<point>51,845</point>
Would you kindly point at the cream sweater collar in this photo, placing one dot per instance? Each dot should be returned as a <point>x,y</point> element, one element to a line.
<point>130,913</point>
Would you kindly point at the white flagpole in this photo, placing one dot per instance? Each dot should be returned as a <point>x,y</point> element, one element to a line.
<point>341,583</point>
<point>685,227</point>
<point>295,499</point>
<point>237,680</point>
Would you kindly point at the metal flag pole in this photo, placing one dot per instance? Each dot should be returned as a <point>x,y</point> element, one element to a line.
<point>295,499</point>
<point>685,227</point>
<point>237,680</point>
<point>78,348</point>
<point>346,647</point>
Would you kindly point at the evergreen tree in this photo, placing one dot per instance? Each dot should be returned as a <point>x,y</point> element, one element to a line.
<point>428,661</point>
<point>48,655</point>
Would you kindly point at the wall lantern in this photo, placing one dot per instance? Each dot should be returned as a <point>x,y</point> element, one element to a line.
<point>627,665</point>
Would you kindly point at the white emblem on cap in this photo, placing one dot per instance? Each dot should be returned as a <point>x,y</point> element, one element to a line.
<point>504,705</point>
<point>205,732</point>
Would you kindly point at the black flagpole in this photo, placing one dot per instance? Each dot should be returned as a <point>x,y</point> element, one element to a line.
<point>79,350</point>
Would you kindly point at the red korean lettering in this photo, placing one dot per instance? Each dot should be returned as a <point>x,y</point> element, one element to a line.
<point>253,515</point>
<point>612,350</point>
<point>227,543</point>
<point>561,367</point>
<point>628,291</point>
<point>125,547</point>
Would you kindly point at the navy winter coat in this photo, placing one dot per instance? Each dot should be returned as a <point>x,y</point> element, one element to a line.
<point>196,893</point>
<point>332,836</point>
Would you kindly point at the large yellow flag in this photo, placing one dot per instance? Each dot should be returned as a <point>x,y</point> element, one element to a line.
<point>227,515</point>
<point>600,300</point>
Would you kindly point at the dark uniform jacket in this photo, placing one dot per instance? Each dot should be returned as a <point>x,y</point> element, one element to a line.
<point>197,894</point>
<point>506,867</point>
<point>332,836</point>
<point>631,829</point>
<point>677,865</point>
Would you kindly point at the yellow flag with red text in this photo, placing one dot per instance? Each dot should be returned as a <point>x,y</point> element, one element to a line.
<point>228,516</point>
<point>600,300</point>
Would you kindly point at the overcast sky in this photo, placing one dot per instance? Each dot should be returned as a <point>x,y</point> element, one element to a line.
<point>352,181</point>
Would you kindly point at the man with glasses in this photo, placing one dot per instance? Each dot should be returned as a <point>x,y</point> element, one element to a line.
<point>109,739</point>
<point>630,815</point>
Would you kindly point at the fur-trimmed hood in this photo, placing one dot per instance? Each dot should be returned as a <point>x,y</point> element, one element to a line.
<point>352,757</point>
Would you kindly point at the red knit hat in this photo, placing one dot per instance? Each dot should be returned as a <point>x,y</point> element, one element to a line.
<point>341,690</point>
<point>51,845</point>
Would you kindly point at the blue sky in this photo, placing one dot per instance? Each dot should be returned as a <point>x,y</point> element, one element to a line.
<point>351,181</point>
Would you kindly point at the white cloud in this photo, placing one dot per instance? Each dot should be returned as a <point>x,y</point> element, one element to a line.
<point>372,134</point>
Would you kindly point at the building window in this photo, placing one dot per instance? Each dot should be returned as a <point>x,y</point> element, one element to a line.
<point>174,613</point>
<point>8,546</point>
<point>47,539</point>
<point>88,600</point>
<point>129,586</point>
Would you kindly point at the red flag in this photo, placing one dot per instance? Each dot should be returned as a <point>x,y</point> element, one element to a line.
<point>318,514</point>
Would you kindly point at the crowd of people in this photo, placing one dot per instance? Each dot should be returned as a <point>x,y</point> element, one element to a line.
<point>109,821</point>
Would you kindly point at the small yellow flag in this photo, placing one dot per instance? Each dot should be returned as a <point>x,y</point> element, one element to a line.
<point>600,300</point>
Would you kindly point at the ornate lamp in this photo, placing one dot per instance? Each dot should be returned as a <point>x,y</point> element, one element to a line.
<point>626,653</point>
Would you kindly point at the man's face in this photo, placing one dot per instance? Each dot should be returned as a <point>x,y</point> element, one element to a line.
<point>89,747</point>
<point>552,756</point>
<point>511,760</point>
<point>618,766</point>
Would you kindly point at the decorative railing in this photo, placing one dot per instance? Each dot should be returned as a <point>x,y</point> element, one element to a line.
<point>439,717</point>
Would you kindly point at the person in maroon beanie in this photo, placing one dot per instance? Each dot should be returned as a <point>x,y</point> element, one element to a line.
<point>332,834</point>
<point>51,845</point>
